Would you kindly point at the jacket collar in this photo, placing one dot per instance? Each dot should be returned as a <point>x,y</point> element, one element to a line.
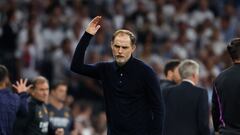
<point>188,81</point>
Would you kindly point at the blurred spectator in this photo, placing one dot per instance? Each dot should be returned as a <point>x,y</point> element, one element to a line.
<point>227,28</point>
<point>12,104</point>
<point>8,44</point>
<point>30,48</point>
<point>31,33</point>
<point>59,114</point>
<point>82,113</point>
<point>53,34</point>
<point>36,119</point>
<point>171,73</point>
<point>100,123</point>
<point>61,61</point>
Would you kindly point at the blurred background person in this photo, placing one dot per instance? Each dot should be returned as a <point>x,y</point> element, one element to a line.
<point>8,44</point>
<point>165,29</point>
<point>37,119</point>
<point>171,73</point>
<point>11,104</point>
<point>59,114</point>
<point>187,110</point>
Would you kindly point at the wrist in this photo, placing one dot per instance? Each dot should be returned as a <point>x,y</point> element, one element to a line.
<point>89,33</point>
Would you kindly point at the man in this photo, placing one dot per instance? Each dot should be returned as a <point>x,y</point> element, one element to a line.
<point>11,104</point>
<point>37,120</point>
<point>187,111</point>
<point>171,73</point>
<point>59,114</point>
<point>8,43</point>
<point>131,89</point>
<point>225,99</point>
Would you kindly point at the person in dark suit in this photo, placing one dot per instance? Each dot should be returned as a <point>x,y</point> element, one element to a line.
<point>226,92</point>
<point>171,73</point>
<point>187,110</point>
<point>131,90</point>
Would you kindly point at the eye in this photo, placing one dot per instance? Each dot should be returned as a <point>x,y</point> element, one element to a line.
<point>116,46</point>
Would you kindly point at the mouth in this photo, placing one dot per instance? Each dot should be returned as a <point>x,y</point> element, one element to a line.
<point>119,56</point>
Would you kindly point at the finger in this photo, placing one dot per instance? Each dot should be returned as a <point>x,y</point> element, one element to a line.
<point>96,20</point>
<point>28,87</point>
<point>21,81</point>
<point>17,83</point>
<point>14,86</point>
<point>98,27</point>
<point>25,81</point>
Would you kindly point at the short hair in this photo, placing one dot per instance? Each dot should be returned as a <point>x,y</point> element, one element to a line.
<point>38,80</point>
<point>58,83</point>
<point>187,68</point>
<point>234,49</point>
<point>3,73</point>
<point>129,33</point>
<point>170,66</point>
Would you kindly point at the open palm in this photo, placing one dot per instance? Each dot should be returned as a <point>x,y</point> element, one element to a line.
<point>94,25</point>
<point>21,86</point>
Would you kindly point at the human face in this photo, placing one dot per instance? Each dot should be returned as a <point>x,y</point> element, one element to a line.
<point>41,92</point>
<point>196,78</point>
<point>176,75</point>
<point>8,82</point>
<point>122,48</point>
<point>60,93</point>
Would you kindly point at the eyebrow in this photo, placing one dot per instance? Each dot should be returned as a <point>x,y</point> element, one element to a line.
<point>124,46</point>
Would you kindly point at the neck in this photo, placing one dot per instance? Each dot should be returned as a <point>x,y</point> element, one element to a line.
<point>57,104</point>
<point>2,86</point>
<point>190,80</point>
<point>169,78</point>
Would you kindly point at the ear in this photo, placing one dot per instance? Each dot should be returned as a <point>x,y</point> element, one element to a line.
<point>6,79</point>
<point>32,92</point>
<point>133,47</point>
<point>111,45</point>
<point>169,73</point>
<point>195,78</point>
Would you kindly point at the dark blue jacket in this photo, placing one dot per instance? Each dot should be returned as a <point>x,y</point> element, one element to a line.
<point>187,110</point>
<point>11,105</point>
<point>132,93</point>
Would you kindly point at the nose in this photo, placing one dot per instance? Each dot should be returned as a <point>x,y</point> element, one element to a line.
<point>120,50</point>
<point>45,93</point>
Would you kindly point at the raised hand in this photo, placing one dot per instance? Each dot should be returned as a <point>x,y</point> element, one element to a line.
<point>21,86</point>
<point>94,25</point>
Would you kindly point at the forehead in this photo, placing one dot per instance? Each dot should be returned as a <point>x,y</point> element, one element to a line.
<point>42,85</point>
<point>61,87</point>
<point>122,38</point>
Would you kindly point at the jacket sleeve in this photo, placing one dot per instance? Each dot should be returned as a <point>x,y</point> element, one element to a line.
<point>78,65</point>
<point>215,109</point>
<point>155,102</point>
<point>23,104</point>
<point>203,113</point>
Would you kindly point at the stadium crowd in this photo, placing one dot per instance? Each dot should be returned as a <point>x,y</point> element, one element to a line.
<point>38,37</point>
